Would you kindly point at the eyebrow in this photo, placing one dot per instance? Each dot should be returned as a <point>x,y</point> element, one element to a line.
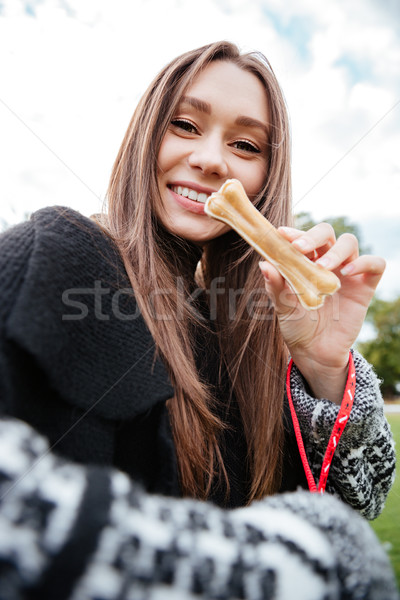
<point>242,120</point>
<point>200,105</point>
<point>250,122</point>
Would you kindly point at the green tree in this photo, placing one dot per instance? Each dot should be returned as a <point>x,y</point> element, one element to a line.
<point>384,350</point>
<point>304,220</point>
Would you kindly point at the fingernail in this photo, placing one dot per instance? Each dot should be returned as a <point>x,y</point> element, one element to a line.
<point>301,243</point>
<point>324,262</point>
<point>347,270</point>
<point>264,274</point>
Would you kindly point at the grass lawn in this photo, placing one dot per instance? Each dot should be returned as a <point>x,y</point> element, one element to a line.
<point>387,526</point>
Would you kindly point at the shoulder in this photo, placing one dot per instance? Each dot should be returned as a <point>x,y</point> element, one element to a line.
<point>57,217</point>
<point>62,233</point>
<point>54,236</point>
<point>74,311</point>
<point>57,250</point>
<point>61,249</point>
<point>67,255</point>
<point>15,250</point>
<point>60,220</point>
<point>65,221</point>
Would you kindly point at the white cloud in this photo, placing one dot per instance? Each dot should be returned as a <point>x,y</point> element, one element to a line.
<point>346,130</point>
<point>73,72</point>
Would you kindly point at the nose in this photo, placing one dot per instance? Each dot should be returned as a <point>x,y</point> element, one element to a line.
<point>208,156</point>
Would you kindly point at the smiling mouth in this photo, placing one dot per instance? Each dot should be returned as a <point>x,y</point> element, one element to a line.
<point>187,192</point>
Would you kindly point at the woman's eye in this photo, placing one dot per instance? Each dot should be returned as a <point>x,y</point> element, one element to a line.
<point>185,125</point>
<point>246,146</point>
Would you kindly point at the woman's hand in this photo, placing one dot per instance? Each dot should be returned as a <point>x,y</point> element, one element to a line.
<point>319,341</point>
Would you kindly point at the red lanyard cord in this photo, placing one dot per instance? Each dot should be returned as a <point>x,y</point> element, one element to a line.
<point>338,428</point>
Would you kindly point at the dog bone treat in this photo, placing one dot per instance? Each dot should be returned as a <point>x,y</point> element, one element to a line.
<point>309,281</point>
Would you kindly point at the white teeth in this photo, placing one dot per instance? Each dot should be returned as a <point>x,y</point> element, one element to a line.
<point>191,194</point>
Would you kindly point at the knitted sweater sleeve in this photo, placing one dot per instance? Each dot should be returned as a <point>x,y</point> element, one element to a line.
<point>363,467</point>
<point>85,533</point>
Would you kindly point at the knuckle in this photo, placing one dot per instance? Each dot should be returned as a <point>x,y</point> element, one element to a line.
<point>329,230</point>
<point>349,237</point>
<point>334,256</point>
<point>380,264</point>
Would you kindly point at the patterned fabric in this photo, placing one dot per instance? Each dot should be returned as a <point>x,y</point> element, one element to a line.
<point>362,470</point>
<point>76,533</point>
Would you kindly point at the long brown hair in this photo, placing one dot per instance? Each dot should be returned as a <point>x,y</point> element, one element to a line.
<point>251,347</point>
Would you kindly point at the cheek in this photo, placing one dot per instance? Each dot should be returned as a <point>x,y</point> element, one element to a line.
<point>162,158</point>
<point>253,179</point>
<point>169,153</point>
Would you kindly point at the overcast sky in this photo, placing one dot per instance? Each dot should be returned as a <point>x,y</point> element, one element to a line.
<point>72,71</point>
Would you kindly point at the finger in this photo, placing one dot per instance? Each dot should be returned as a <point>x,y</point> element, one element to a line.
<point>272,277</point>
<point>372,267</point>
<point>291,234</point>
<point>282,296</point>
<point>343,251</point>
<point>320,238</point>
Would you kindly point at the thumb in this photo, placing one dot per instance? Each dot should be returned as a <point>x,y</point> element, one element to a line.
<point>281,294</point>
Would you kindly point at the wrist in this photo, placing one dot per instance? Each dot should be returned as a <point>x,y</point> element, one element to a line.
<point>324,380</point>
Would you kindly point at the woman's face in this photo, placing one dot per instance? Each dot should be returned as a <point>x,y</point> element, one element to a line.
<point>219,131</point>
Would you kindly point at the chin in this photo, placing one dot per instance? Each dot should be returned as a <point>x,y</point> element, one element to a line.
<point>194,233</point>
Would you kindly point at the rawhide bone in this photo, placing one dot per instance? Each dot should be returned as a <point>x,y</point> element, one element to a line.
<point>309,281</point>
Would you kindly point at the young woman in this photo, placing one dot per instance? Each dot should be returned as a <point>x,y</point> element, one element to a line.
<point>152,341</point>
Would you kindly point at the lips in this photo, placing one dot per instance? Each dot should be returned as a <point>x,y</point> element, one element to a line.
<point>190,196</point>
<point>190,193</point>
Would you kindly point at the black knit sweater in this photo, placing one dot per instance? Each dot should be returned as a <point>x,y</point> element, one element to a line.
<point>72,363</point>
<point>77,359</point>
<point>77,362</point>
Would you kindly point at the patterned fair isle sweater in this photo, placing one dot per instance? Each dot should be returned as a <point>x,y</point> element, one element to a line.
<point>67,531</point>
<point>362,471</point>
